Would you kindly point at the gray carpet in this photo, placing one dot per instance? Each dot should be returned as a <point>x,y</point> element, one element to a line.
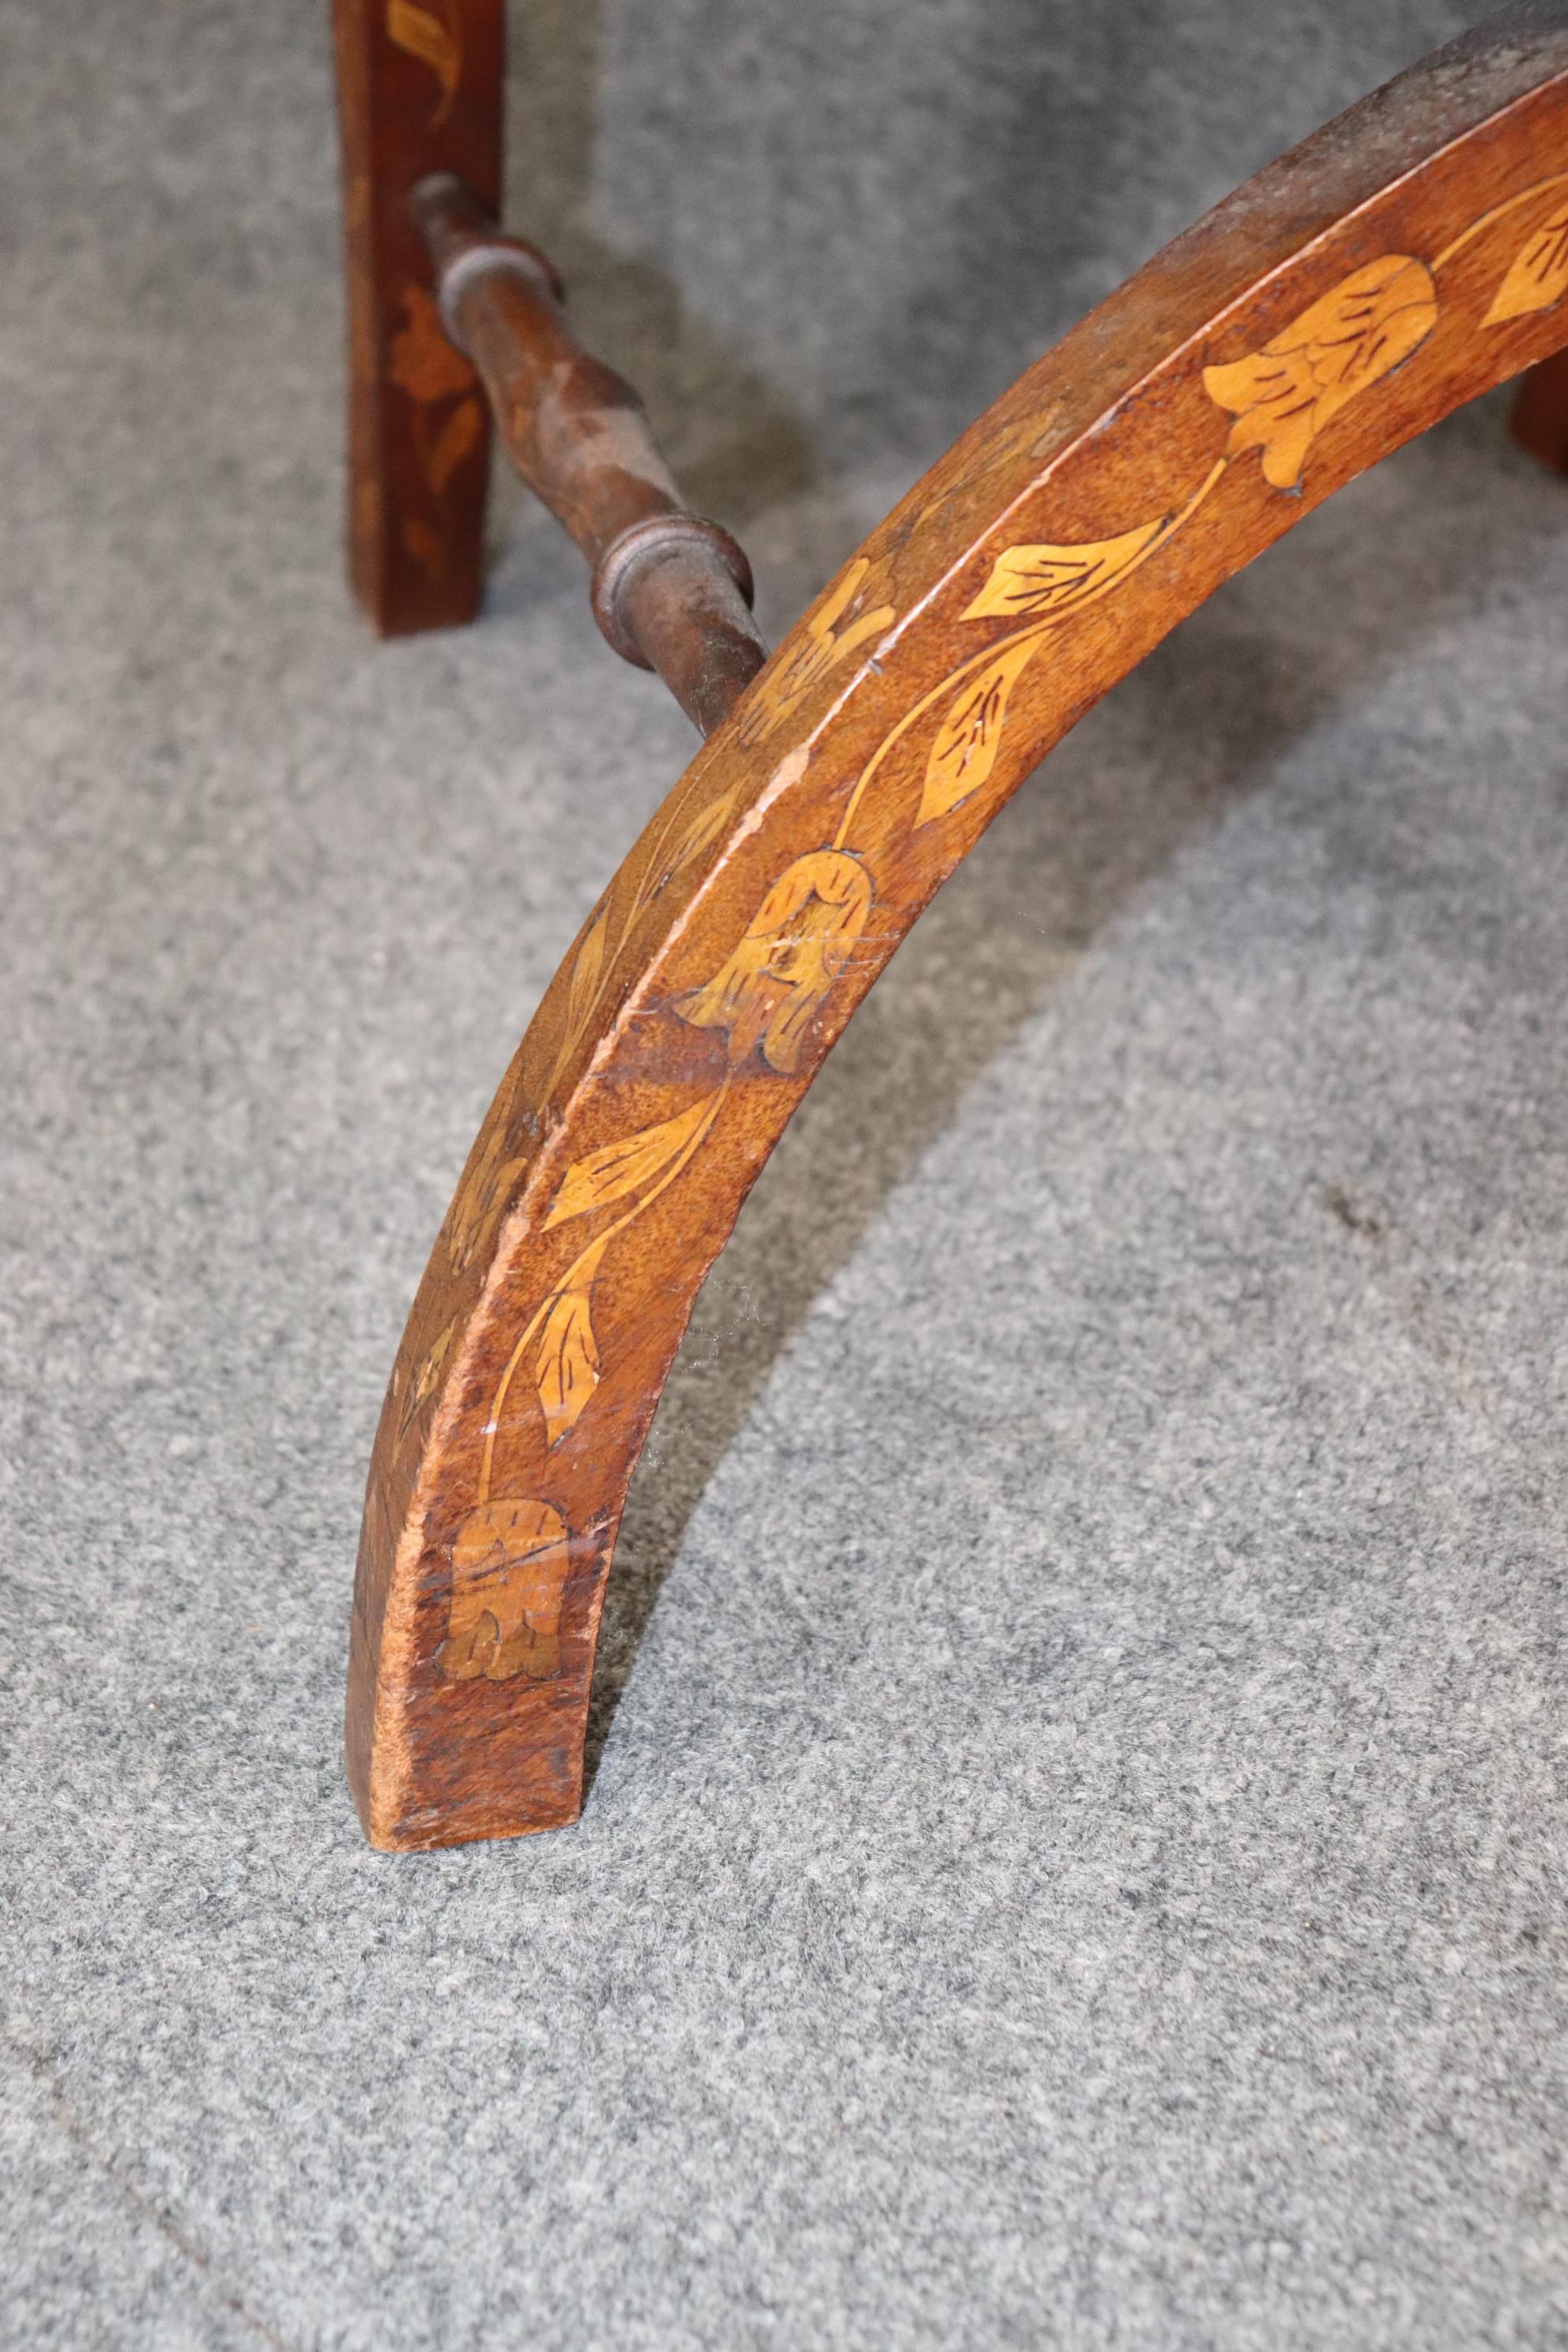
<point>1075,1854</point>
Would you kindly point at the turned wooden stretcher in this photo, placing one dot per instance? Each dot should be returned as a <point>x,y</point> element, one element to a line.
<point>1406,258</point>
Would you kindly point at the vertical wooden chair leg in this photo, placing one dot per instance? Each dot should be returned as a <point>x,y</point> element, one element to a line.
<point>1539,419</point>
<point>419,90</point>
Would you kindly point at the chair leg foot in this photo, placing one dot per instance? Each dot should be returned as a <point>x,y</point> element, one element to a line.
<point>419,90</point>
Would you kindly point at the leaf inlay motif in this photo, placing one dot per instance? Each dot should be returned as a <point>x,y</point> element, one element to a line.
<point>1283,395</point>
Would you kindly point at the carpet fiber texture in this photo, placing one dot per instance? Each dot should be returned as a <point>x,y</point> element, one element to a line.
<point>1076,1847</point>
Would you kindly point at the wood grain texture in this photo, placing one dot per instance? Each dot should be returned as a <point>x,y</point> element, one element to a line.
<point>1397,263</point>
<point>419,90</point>
<point>670,591</point>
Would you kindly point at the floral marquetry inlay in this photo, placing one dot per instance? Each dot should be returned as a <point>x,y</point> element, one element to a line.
<point>796,944</point>
<point>422,361</point>
<point>964,750</point>
<point>482,1197</point>
<point>508,1565</point>
<point>1027,583</point>
<point>1283,395</point>
<point>433,34</point>
<point>1013,601</point>
<point>840,627</point>
<point>624,1167</point>
<point>424,364</point>
<point>566,1355</point>
<point>1539,277</point>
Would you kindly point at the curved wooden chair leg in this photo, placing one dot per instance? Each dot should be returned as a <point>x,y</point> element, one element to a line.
<point>1409,257</point>
<point>419,90</point>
